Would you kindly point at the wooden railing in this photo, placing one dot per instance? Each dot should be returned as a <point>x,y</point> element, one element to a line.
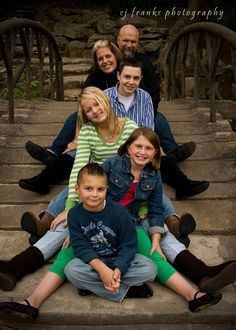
<point>30,37</point>
<point>202,45</point>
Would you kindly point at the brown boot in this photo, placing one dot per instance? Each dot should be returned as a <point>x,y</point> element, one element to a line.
<point>24,263</point>
<point>182,226</point>
<point>34,226</point>
<point>7,278</point>
<point>208,278</point>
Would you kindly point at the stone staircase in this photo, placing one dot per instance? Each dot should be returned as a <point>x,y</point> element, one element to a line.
<point>214,210</point>
<point>75,72</point>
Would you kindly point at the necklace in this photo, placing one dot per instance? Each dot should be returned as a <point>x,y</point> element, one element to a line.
<point>136,175</point>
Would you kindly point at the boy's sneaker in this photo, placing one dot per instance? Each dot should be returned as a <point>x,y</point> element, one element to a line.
<point>84,292</point>
<point>141,291</point>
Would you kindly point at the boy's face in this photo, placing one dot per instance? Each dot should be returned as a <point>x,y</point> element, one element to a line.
<point>92,191</point>
<point>129,80</point>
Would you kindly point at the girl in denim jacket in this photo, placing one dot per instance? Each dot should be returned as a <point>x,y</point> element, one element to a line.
<point>131,179</point>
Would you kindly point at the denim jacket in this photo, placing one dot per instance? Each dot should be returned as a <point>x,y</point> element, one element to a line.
<point>149,189</point>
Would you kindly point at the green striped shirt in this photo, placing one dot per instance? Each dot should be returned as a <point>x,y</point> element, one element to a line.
<point>92,147</point>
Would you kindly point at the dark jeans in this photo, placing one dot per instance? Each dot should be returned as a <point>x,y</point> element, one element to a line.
<point>164,133</point>
<point>67,134</point>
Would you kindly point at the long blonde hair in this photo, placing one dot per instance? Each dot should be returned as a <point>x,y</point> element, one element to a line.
<point>104,102</point>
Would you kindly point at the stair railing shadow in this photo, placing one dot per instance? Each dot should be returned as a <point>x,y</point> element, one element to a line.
<point>21,38</point>
<point>199,51</point>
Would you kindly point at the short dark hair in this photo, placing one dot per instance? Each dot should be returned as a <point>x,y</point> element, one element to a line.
<point>130,61</point>
<point>91,169</point>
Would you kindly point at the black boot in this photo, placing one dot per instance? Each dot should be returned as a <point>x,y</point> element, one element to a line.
<point>208,278</point>
<point>183,151</point>
<point>172,175</point>
<point>39,153</point>
<point>22,264</point>
<point>58,170</point>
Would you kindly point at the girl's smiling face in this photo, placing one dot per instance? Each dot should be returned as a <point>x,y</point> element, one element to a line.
<point>141,152</point>
<point>93,111</point>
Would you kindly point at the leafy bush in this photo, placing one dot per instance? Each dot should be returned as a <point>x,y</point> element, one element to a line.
<point>20,88</point>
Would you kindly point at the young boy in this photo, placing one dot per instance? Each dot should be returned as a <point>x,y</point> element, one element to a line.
<point>104,240</point>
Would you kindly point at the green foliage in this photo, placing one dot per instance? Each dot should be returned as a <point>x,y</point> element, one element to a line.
<point>233,124</point>
<point>20,88</point>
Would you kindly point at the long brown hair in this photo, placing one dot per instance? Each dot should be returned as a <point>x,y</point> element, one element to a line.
<point>151,136</point>
<point>104,102</point>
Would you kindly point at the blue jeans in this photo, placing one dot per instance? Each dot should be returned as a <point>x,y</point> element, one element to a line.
<point>170,245</point>
<point>164,133</point>
<point>83,276</point>
<point>67,134</point>
<point>52,241</point>
<point>58,203</point>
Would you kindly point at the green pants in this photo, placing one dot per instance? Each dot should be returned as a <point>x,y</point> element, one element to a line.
<point>63,258</point>
<point>164,269</point>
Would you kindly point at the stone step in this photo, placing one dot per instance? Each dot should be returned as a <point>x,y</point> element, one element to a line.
<point>165,326</point>
<point>53,311</point>
<point>23,166</point>
<point>74,81</point>
<point>46,140</point>
<point>12,192</point>
<point>207,213</point>
<point>213,240</point>
<point>215,191</point>
<point>76,60</point>
<point>72,94</point>
<point>72,69</point>
<point>204,151</point>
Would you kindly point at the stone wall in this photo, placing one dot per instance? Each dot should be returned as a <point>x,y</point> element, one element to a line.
<point>77,29</point>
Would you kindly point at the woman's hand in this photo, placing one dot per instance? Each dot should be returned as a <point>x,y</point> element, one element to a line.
<point>70,147</point>
<point>66,242</point>
<point>60,218</point>
<point>156,245</point>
